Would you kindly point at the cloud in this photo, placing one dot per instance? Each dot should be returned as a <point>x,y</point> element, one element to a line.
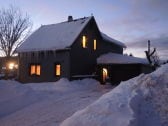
<point>138,18</point>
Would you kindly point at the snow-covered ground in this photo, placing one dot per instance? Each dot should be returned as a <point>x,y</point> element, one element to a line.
<point>45,104</point>
<point>141,101</point>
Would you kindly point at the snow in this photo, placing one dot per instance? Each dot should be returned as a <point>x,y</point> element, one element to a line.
<point>107,38</point>
<point>114,58</point>
<point>54,36</point>
<point>141,101</point>
<point>45,104</point>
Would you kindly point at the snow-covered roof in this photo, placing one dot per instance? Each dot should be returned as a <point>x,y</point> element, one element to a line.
<point>54,36</point>
<point>58,36</point>
<point>107,38</point>
<point>114,58</point>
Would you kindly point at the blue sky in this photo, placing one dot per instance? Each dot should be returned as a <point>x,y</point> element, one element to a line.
<point>130,21</point>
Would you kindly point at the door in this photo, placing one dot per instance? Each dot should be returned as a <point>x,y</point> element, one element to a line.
<point>105,75</point>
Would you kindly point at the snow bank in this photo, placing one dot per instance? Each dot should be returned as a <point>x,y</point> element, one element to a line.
<point>46,104</point>
<point>65,85</point>
<point>141,101</point>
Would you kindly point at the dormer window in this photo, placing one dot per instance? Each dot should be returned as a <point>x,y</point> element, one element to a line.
<point>94,44</point>
<point>84,41</point>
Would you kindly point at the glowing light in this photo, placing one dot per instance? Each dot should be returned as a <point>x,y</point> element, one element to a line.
<point>33,69</point>
<point>84,42</point>
<point>38,69</point>
<point>105,74</point>
<point>94,44</point>
<point>11,66</point>
<point>58,70</point>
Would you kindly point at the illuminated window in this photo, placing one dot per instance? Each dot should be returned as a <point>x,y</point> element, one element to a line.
<point>84,42</point>
<point>35,69</point>
<point>38,69</point>
<point>58,70</point>
<point>94,44</point>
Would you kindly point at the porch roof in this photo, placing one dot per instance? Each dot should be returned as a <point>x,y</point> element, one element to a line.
<point>114,58</point>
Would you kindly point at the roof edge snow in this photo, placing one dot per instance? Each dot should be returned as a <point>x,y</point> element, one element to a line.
<point>107,38</point>
<point>114,58</point>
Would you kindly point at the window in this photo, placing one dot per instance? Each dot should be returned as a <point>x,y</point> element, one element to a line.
<point>84,42</point>
<point>58,69</point>
<point>32,69</point>
<point>94,44</point>
<point>35,69</point>
<point>38,70</point>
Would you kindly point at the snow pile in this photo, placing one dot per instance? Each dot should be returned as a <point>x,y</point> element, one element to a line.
<point>45,104</point>
<point>64,85</point>
<point>141,101</point>
<point>119,59</point>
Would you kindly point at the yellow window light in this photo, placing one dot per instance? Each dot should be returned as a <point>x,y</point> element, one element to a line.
<point>94,44</point>
<point>84,42</point>
<point>58,70</point>
<point>32,69</point>
<point>38,70</point>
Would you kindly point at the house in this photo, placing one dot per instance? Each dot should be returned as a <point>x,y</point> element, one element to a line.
<point>69,49</point>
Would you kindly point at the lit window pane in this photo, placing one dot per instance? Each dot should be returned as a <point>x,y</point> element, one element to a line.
<point>95,44</point>
<point>84,42</point>
<point>33,69</point>
<point>38,69</point>
<point>58,69</point>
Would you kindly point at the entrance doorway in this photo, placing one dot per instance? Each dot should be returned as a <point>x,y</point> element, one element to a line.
<point>105,75</point>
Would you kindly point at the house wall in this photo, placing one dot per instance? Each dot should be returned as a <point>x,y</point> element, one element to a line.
<point>47,60</point>
<point>83,60</point>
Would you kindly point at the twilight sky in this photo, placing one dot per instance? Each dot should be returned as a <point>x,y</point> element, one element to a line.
<point>131,21</point>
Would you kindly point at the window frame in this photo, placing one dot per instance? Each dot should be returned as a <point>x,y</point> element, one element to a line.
<point>36,65</point>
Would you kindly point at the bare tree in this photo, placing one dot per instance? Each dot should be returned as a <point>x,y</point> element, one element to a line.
<point>14,28</point>
<point>152,56</point>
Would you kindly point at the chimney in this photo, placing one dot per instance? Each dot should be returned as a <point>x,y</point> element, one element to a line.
<point>70,18</point>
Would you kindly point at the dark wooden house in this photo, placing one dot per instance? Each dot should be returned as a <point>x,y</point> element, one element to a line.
<point>65,50</point>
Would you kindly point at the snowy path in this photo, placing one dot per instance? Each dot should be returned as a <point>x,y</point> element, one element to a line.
<point>54,107</point>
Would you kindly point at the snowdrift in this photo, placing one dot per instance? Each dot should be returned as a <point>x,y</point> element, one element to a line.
<point>141,101</point>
